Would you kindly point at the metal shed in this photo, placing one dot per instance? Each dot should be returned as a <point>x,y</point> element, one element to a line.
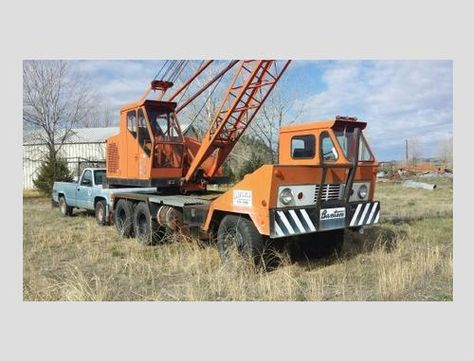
<point>86,146</point>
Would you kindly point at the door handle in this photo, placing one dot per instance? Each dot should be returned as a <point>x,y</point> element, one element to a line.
<point>78,189</point>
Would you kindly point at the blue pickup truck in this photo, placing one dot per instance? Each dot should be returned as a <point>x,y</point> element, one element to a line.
<point>88,193</point>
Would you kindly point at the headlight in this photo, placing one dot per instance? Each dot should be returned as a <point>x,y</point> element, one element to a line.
<point>286,197</point>
<point>362,191</point>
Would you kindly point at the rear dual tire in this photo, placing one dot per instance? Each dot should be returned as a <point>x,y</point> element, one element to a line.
<point>123,218</point>
<point>135,220</point>
<point>145,228</point>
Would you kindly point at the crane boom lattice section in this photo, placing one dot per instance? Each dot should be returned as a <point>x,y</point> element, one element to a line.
<point>251,85</point>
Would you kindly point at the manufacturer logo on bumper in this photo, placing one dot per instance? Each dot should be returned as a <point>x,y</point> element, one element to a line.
<point>332,213</point>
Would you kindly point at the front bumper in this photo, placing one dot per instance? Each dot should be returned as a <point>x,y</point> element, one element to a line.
<point>285,222</point>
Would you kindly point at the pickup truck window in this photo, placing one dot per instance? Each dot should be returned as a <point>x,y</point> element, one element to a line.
<point>86,178</point>
<point>99,177</point>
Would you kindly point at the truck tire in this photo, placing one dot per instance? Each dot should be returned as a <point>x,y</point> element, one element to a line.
<point>145,227</point>
<point>123,218</point>
<point>64,209</point>
<point>322,244</point>
<point>237,231</point>
<point>100,213</point>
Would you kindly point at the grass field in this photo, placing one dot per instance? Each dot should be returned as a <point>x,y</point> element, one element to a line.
<point>408,256</point>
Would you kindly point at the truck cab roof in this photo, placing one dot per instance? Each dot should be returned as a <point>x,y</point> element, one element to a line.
<point>323,124</point>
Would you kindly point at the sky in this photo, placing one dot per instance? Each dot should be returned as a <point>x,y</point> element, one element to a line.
<point>399,99</point>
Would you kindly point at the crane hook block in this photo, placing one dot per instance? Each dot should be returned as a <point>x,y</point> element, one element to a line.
<point>347,118</point>
<point>161,85</point>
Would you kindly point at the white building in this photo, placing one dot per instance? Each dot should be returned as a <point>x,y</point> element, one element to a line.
<point>86,146</point>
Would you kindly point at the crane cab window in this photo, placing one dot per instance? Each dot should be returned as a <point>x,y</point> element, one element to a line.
<point>131,123</point>
<point>328,150</point>
<point>163,124</point>
<point>303,146</point>
<point>144,138</point>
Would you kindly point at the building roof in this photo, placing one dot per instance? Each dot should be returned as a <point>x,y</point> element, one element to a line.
<point>81,135</point>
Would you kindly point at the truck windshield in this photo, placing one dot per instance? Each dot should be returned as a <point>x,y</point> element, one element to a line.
<point>346,139</point>
<point>99,176</point>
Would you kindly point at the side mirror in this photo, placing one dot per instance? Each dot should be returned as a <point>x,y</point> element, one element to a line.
<point>86,182</point>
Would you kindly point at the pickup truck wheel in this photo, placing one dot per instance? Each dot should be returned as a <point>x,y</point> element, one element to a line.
<point>123,218</point>
<point>145,227</point>
<point>240,233</point>
<point>100,213</point>
<point>64,209</point>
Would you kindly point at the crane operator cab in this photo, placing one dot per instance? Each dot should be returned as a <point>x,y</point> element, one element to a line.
<point>149,149</point>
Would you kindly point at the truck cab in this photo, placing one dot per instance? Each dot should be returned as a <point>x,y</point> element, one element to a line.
<point>325,181</point>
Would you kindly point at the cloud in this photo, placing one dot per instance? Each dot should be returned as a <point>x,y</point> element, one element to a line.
<point>399,100</point>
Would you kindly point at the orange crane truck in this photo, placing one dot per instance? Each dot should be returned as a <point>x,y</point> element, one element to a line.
<point>323,183</point>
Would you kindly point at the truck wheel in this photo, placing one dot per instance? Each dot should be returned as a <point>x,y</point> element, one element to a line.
<point>145,227</point>
<point>64,209</point>
<point>241,233</point>
<point>100,213</point>
<point>123,218</point>
<point>322,244</point>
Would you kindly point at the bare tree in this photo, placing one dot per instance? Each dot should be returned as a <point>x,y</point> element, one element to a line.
<point>55,99</point>
<point>275,112</point>
<point>100,114</point>
<point>446,152</point>
<point>415,150</point>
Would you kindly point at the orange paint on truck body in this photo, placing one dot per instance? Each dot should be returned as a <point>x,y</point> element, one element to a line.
<point>304,152</point>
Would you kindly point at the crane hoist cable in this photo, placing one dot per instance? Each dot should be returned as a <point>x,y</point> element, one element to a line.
<point>188,86</point>
<point>161,69</point>
<point>205,102</point>
<point>168,69</point>
<point>179,70</point>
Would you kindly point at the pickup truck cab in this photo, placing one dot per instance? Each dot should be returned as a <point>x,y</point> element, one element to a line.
<point>88,193</point>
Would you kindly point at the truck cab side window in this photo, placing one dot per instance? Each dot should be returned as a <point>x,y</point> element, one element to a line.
<point>131,123</point>
<point>303,146</point>
<point>87,178</point>
<point>364,152</point>
<point>328,150</point>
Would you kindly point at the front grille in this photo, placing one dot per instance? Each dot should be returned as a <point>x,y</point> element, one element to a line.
<point>330,192</point>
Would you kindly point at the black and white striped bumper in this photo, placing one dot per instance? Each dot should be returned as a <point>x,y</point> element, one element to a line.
<point>295,221</point>
<point>364,213</point>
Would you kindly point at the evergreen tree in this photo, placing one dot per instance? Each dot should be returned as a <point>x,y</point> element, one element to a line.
<point>52,170</point>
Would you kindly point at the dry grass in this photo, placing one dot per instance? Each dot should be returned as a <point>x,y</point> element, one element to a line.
<point>407,257</point>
